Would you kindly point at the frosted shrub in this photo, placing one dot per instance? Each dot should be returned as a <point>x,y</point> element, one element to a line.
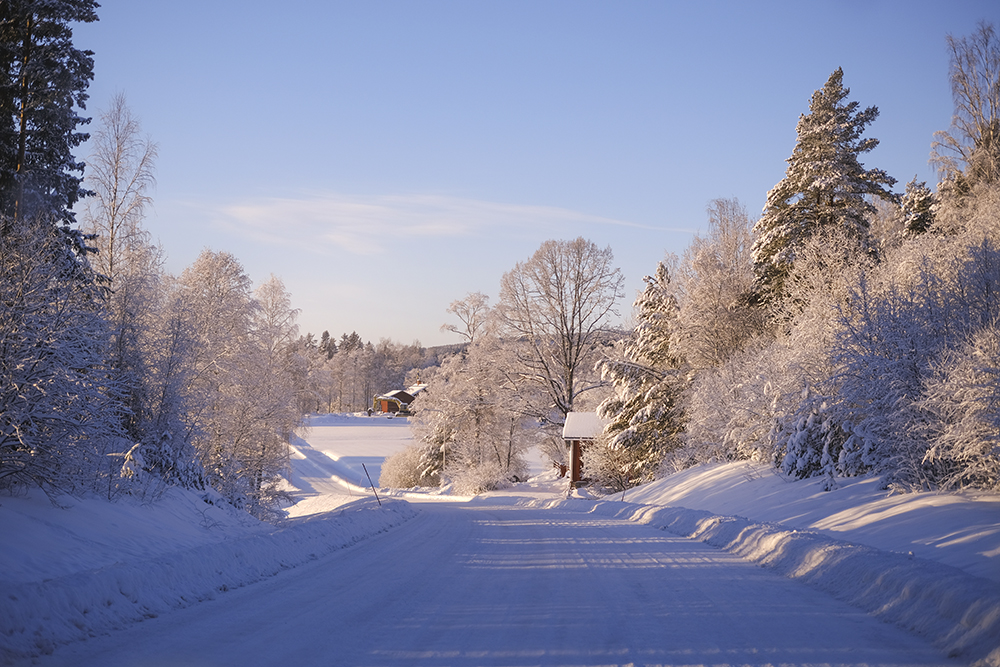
<point>59,413</point>
<point>411,467</point>
<point>730,410</point>
<point>806,434</point>
<point>895,344</point>
<point>486,476</point>
<point>963,395</point>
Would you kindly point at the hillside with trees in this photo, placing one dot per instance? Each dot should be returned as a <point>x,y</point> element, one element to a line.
<point>849,330</point>
<point>853,331</point>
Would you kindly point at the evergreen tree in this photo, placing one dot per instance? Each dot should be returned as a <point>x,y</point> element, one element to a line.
<point>917,208</point>
<point>824,186</point>
<point>44,82</point>
<point>350,342</point>
<point>645,412</point>
<point>327,345</point>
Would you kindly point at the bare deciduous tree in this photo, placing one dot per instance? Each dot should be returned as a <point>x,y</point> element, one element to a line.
<point>716,278</point>
<point>555,307</point>
<point>972,146</point>
<point>121,175</point>
<point>473,312</point>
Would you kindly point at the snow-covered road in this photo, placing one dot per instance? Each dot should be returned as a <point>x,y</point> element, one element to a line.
<point>491,583</point>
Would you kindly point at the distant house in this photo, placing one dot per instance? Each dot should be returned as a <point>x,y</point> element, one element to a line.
<point>397,400</point>
<point>580,429</point>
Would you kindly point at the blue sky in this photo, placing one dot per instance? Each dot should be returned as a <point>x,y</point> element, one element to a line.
<point>386,158</point>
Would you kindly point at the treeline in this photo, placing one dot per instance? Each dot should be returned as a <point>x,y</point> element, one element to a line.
<point>345,376</point>
<point>120,378</point>
<point>115,376</point>
<point>849,330</point>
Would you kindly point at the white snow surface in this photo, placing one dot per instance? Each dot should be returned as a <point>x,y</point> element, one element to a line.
<point>88,569</point>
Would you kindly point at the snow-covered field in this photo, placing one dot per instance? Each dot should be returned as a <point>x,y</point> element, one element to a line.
<point>929,563</point>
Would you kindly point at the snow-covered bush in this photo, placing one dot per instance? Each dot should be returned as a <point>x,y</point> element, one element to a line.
<point>59,409</point>
<point>473,414</point>
<point>414,466</point>
<point>962,395</point>
<point>897,340</point>
<point>488,475</point>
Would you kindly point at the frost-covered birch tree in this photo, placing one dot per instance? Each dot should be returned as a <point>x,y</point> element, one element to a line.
<point>969,153</point>
<point>473,314</point>
<point>714,283</point>
<point>474,417</point>
<point>241,393</point>
<point>121,174</point>
<point>216,300</point>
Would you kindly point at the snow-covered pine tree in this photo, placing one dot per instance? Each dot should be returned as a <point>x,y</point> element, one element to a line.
<point>917,208</point>
<point>59,409</point>
<point>645,414</point>
<point>824,186</point>
<point>327,345</point>
<point>44,83</point>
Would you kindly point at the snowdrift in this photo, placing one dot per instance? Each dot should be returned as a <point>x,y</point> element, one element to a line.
<point>958,612</point>
<point>37,615</point>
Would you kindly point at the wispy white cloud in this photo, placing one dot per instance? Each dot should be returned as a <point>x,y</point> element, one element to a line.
<point>367,225</point>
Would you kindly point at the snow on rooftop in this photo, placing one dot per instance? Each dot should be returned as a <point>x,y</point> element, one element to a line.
<point>583,426</point>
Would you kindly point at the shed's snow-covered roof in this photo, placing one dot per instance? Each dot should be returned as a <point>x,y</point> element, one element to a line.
<point>400,395</point>
<point>583,426</point>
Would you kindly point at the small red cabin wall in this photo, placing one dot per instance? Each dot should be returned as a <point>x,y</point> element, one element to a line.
<point>576,461</point>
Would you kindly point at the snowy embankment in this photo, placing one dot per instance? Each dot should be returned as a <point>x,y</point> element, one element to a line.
<point>71,574</point>
<point>957,611</point>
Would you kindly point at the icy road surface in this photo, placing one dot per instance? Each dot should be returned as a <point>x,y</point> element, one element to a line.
<point>487,583</point>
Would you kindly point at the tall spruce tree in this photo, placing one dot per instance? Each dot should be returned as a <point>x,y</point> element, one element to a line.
<point>44,83</point>
<point>825,185</point>
<point>917,208</point>
<point>645,414</point>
